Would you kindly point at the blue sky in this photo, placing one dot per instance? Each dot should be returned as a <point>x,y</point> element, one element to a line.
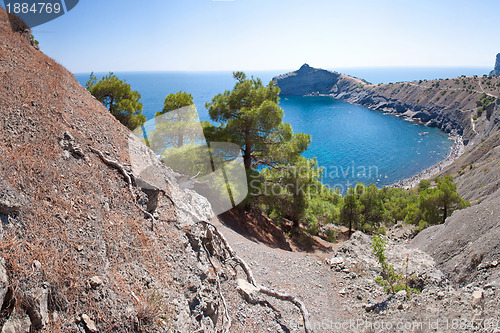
<point>194,35</point>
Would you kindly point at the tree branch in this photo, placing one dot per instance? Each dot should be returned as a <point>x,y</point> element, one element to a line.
<point>127,177</point>
<point>251,279</point>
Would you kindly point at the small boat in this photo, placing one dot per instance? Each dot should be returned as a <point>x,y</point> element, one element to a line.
<point>423,133</point>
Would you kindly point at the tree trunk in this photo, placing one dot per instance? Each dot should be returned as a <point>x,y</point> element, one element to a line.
<point>445,213</point>
<point>247,156</point>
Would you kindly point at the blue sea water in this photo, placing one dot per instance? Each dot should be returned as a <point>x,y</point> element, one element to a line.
<point>351,142</point>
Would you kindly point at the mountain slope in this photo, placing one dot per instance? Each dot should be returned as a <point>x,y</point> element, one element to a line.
<point>77,251</point>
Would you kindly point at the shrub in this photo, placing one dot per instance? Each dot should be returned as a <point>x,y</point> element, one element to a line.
<point>389,279</point>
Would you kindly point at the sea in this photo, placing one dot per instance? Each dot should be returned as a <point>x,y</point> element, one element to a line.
<point>351,143</point>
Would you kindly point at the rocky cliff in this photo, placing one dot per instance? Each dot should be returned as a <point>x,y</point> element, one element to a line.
<point>496,70</point>
<point>467,246</point>
<point>308,80</point>
<point>447,104</point>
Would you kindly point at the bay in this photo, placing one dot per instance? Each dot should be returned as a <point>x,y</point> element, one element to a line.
<point>350,142</point>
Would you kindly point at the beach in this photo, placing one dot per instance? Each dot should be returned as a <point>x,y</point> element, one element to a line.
<point>456,151</point>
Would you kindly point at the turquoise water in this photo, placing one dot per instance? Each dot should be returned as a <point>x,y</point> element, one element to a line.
<point>354,143</point>
<point>351,142</point>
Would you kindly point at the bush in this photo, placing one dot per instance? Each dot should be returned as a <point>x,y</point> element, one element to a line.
<point>389,279</point>
<point>421,226</point>
<point>381,230</point>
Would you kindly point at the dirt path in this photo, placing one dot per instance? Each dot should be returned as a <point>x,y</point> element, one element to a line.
<point>306,275</point>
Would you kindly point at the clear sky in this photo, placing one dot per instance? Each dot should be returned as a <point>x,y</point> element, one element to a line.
<point>193,35</point>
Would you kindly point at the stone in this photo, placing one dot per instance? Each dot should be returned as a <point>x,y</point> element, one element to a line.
<point>95,282</point>
<point>370,307</point>
<point>247,290</point>
<point>37,264</point>
<point>68,145</point>
<point>11,200</point>
<point>37,307</point>
<point>17,322</point>
<point>337,263</point>
<point>477,298</point>
<point>492,285</point>
<point>4,280</point>
<point>401,295</point>
<point>89,323</point>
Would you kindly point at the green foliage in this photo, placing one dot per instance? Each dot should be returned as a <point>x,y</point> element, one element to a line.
<point>294,191</point>
<point>176,101</point>
<point>421,226</point>
<point>177,124</point>
<point>249,116</point>
<point>34,40</point>
<point>482,104</point>
<point>435,204</point>
<point>424,185</point>
<point>389,279</point>
<point>286,185</point>
<point>350,211</point>
<point>372,206</point>
<point>448,198</point>
<point>119,98</point>
<point>381,231</point>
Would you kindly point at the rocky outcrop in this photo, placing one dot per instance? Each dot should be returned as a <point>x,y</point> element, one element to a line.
<point>496,70</point>
<point>307,80</point>
<point>439,299</point>
<point>466,247</point>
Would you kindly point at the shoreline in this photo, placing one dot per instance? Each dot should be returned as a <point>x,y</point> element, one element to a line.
<point>456,151</point>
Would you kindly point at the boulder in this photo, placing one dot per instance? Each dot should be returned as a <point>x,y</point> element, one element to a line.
<point>18,322</point>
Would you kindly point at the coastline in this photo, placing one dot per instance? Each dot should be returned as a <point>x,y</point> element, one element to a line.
<point>456,151</point>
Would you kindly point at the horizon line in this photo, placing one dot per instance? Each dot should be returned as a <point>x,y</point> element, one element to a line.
<point>284,70</point>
